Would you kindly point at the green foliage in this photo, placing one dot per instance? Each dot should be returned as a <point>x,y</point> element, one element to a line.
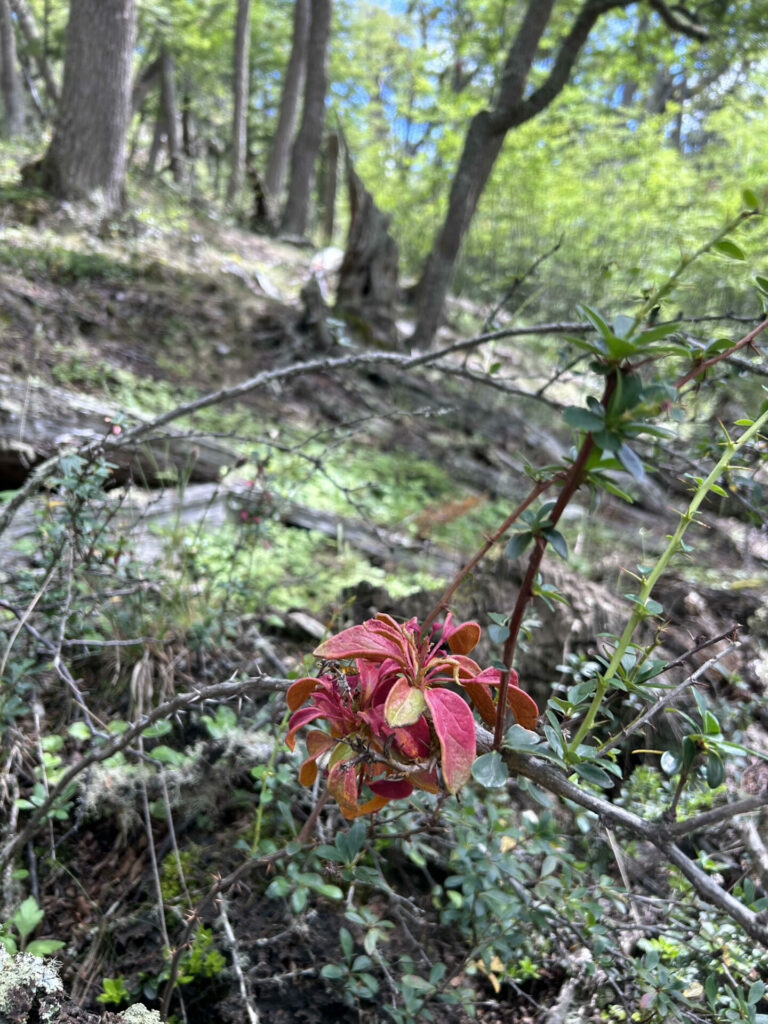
<point>16,931</point>
<point>114,991</point>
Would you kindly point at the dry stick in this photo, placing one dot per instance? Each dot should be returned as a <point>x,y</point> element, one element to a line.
<point>555,781</point>
<point>229,933</point>
<point>723,813</point>
<point>220,885</point>
<point>519,281</point>
<point>701,367</point>
<point>182,701</point>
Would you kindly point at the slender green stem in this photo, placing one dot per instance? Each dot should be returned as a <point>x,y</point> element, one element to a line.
<point>650,581</point>
<point>685,261</point>
<point>270,767</point>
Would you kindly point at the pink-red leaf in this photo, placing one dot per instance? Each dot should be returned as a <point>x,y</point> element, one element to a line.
<point>374,640</point>
<point>524,707</point>
<point>455,729</point>
<point>392,789</point>
<point>298,719</point>
<point>480,695</point>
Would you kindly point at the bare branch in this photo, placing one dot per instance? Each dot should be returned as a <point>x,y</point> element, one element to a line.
<point>259,685</point>
<point>661,835</point>
<point>678,19</point>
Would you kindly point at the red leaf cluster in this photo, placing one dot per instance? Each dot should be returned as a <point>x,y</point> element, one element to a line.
<point>389,722</point>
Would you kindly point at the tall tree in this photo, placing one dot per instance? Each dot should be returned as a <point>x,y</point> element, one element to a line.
<point>29,30</point>
<point>293,84</point>
<point>240,114</point>
<point>10,84</point>
<point>488,129</point>
<point>87,154</point>
<point>310,135</point>
<point>170,112</point>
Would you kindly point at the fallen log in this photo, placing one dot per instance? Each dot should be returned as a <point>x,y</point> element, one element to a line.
<point>37,421</point>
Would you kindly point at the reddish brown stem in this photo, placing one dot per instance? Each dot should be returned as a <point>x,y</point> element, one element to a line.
<point>573,481</point>
<point>309,824</point>
<point>742,343</point>
<point>466,569</point>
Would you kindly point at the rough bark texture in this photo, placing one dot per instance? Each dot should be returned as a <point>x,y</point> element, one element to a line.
<point>240,115</point>
<point>30,32</point>
<point>170,110</point>
<point>307,144</point>
<point>367,294</point>
<point>485,139</point>
<point>10,84</point>
<point>86,158</point>
<point>295,73</point>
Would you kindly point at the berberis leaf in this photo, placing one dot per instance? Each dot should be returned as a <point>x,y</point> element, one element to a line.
<point>455,729</point>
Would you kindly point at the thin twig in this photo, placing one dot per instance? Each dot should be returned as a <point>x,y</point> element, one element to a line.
<point>245,993</point>
<point>257,686</point>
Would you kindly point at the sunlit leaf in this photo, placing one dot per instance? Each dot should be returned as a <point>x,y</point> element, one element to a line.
<point>404,705</point>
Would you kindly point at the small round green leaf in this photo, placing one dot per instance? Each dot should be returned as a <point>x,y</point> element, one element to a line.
<point>490,771</point>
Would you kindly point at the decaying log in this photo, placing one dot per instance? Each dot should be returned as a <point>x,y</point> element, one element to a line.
<point>36,421</point>
<point>140,515</point>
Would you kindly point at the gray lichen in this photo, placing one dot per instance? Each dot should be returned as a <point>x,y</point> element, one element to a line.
<point>30,985</point>
<point>138,1014</point>
<point>25,973</point>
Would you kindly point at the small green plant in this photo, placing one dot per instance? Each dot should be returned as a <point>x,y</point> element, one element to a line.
<point>114,991</point>
<point>15,933</point>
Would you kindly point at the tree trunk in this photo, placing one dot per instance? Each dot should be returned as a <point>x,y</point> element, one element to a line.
<point>156,145</point>
<point>29,30</point>
<point>10,83</point>
<point>86,158</point>
<point>481,148</point>
<point>307,144</point>
<point>240,115</point>
<point>170,111</point>
<point>295,72</point>
<point>485,139</point>
<point>330,184</point>
<point>367,293</point>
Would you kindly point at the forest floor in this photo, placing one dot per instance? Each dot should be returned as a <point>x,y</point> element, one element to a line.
<point>149,314</point>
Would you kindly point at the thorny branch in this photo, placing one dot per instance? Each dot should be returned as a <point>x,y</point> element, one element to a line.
<point>259,685</point>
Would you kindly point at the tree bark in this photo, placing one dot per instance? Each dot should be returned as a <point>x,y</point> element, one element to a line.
<point>330,185</point>
<point>485,139</point>
<point>240,114</point>
<point>10,83</point>
<point>295,73</point>
<point>87,155</point>
<point>170,109</point>
<point>367,292</point>
<point>30,32</point>
<point>307,144</point>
